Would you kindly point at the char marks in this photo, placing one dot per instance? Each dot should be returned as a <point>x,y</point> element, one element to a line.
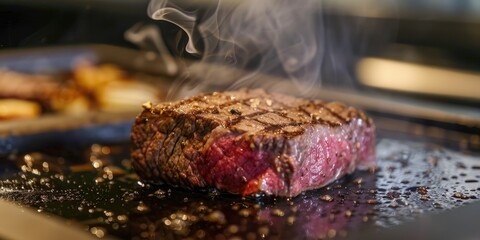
<point>255,111</point>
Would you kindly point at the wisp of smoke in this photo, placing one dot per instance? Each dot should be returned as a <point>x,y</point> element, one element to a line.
<point>290,39</point>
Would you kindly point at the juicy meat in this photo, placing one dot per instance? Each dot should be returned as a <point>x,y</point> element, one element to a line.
<point>249,141</point>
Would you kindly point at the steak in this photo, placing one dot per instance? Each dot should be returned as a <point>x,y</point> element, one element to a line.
<point>249,142</point>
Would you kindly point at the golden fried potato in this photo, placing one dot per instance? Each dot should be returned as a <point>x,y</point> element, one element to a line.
<point>15,109</point>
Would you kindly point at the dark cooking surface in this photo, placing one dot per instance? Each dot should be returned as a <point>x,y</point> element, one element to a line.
<point>96,188</point>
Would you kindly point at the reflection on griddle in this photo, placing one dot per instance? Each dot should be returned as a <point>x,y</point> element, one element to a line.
<point>97,188</point>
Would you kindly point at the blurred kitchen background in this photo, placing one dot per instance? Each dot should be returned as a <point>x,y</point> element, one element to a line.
<point>421,49</point>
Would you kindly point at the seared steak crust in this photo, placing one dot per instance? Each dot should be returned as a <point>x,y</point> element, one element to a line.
<point>250,141</point>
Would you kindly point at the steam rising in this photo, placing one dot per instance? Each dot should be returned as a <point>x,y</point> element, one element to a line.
<point>163,10</point>
<point>285,38</point>
<point>149,38</point>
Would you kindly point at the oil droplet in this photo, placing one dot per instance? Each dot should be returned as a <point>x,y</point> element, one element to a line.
<point>167,222</point>
<point>233,229</point>
<point>216,216</point>
<point>159,193</point>
<point>244,212</point>
<point>278,212</point>
<point>142,207</point>
<point>263,231</point>
<point>115,226</point>
<point>97,163</point>
<point>45,167</point>
<point>105,150</point>
<point>348,213</point>
<point>108,213</point>
<point>98,231</point>
<point>122,218</point>
<point>326,198</point>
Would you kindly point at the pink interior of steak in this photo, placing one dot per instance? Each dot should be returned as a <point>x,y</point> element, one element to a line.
<point>327,156</point>
<point>318,157</point>
<point>234,165</point>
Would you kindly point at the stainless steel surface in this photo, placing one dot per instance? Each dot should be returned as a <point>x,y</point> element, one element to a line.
<point>63,58</point>
<point>420,79</point>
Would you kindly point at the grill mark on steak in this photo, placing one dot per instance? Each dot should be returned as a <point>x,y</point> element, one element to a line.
<point>167,134</point>
<point>235,121</point>
<point>344,120</point>
<point>321,106</point>
<point>232,100</point>
<point>272,127</point>
<point>158,152</point>
<point>177,139</point>
<point>174,146</point>
<point>315,117</point>
<point>304,111</point>
<point>279,127</point>
<point>317,120</point>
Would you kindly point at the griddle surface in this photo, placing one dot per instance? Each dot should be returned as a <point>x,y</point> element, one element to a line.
<point>97,188</point>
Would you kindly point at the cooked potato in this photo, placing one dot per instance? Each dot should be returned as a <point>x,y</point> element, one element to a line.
<point>15,108</point>
<point>91,77</point>
<point>125,96</point>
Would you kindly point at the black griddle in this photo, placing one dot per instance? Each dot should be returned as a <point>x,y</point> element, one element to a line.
<point>428,169</point>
